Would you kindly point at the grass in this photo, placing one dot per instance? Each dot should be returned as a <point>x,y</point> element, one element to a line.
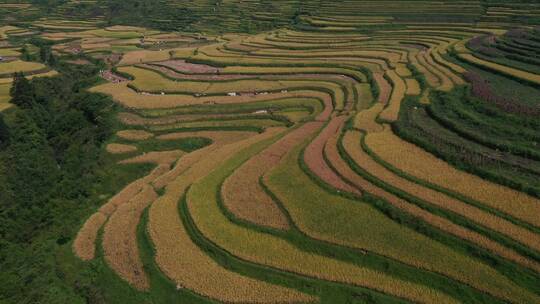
<point>419,127</point>
<point>384,88</point>
<point>475,120</point>
<point>248,216</point>
<point>521,75</point>
<point>355,157</point>
<point>254,123</point>
<point>416,162</point>
<point>295,115</point>
<point>11,67</point>
<point>181,260</point>
<point>143,56</point>
<point>312,103</point>
<point>275,252</point>
<point>114,34</point>
<point>151,81</point>
<point>171,104</point>
<point>9,52</point>
<point>360,77</point>
<point>365,96</point>
<point>244,196</point>
<point>4,96</point>
<point>508,87</point>
<point>186,144</point>
<point>318,214</point>
<point>341,162</point>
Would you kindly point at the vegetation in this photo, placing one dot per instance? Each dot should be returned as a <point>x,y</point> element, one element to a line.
<point>51,167</point>
<point>269,151</point>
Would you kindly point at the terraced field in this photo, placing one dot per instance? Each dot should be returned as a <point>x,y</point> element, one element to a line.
<point>361,154</point>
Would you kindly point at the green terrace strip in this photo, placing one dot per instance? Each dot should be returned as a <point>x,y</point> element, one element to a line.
<point>313,105</point>
<point>203,206</point>
<point>390,160</point>
<point>258,123</point>
<point>424,125</point>
<point>373,227</point>
<point>151,82</point>
<point>502,69</point>
<point>355,157</point>
<point>172,241</point>
<point>405,212</point>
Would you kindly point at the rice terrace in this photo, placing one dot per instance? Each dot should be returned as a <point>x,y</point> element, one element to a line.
<point>269,152</point>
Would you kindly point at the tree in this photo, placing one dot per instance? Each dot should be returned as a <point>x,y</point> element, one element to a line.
<point>52,60</point>
<point>44,53</point>
<point>33,174</point>
<point>22,93</point>
<point>25,54</point>
<point>4,133</point>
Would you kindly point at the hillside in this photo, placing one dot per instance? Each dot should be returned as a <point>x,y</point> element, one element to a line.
<point>270,151</point>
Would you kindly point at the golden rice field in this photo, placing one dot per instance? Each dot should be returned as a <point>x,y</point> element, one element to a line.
<point>351,157</point>
<point>20,66</point>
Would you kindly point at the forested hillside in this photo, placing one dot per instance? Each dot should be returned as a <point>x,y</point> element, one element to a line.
<point>269,152</point>
<point>219,16</point>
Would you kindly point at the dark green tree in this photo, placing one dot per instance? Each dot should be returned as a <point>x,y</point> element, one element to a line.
<point>4,133</point>
<point>22,93</point>
<point>25,54</point>
<point>52,60</point>
<point>33,172</point>
<point>44,53</point>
